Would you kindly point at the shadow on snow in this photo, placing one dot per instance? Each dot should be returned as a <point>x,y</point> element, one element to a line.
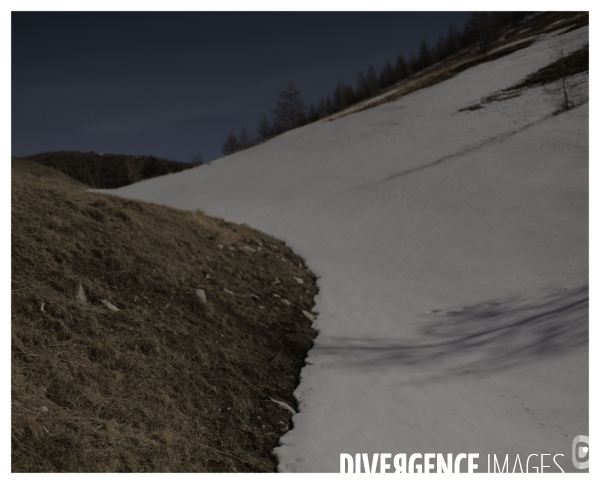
<point>490,336</point>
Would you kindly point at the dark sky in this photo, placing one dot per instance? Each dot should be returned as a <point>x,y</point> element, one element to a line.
<point>171,84</point>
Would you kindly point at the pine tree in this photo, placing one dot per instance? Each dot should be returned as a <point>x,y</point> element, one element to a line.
<point>323,108</point>
<point>387,76</point>
<point>231,145</point>
<point>484,29</point>
<point>439,51</point>
<point>402,70</point>
<point>290,110</point>
<point>362,89</point>
<point>413,64</point>
<point>452,45</point>
<point>263,131</point>
<point>244,140</point>
<point>479,30</point>
<point>470,32</point>
<point>197,159</point>
<point>372,83</point>
<point>343,96</point>
<point>426,58</point>
<point>313,114</point>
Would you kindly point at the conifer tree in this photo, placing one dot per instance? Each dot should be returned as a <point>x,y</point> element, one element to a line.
<point>388,76</point>
<point>372,83</point>
<point>413,64</point>
<point>231,145</point>
<point>402,70</point>
<point>263,131</point>
<point>426,58</point>
<point>197,159</point>
<point>343,96</point>
<point>245,141</point>
<point>362,90</point>
<point>323,108</point>
<point>452,41</point>
<point>290,110</point>
<point>439,51</point>
<point>313,114</point>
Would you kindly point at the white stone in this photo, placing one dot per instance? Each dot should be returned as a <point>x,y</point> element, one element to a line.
<point>284,405</point>
<point>308,315</point>
<point>81,296</point>
<point>201,294</point>
<point>109,305</point>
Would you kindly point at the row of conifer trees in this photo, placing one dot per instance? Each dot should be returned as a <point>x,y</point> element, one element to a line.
<point>479,33</point>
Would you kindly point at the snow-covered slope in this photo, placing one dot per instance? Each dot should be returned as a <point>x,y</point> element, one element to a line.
<point>452,250</point>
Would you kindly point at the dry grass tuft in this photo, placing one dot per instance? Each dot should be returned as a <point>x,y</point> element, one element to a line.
<point>166,384</point>
<point>222,230</point>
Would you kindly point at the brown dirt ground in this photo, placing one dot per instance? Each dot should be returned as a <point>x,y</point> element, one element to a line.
<point>106,170</point>
<point>168,383</point>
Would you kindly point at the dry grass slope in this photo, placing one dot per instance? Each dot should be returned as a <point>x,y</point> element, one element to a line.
<point>167,383</point>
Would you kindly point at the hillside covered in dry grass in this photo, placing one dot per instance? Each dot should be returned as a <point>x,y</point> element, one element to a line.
<point>168,382</point>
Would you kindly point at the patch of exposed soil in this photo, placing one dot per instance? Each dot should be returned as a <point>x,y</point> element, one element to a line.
<point>168,383</point>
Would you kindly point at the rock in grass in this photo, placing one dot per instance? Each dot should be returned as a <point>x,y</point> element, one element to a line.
<point>201,294</point>
<point>308,315</point>
<point>284,405</point>
<point>298,280</point>
<point>81,296</point>
<point>110,305</point>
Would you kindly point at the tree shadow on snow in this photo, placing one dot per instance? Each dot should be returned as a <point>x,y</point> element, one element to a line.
<point>485,337</point>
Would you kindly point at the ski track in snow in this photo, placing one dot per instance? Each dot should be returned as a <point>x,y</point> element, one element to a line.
<point>452,311</point>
